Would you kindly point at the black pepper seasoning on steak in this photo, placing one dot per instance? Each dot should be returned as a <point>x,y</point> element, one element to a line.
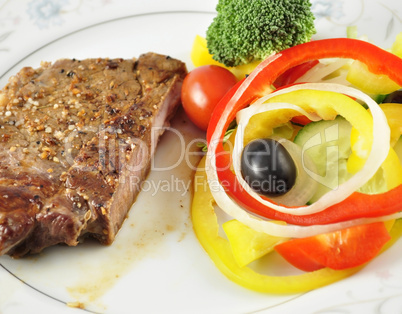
<point>71,135</point>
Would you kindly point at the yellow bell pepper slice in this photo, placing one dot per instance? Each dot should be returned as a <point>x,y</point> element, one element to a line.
<point>396,48</point>
<point>200,56</point>
<point>206,228</point>
<point>247,244</point>
<point>368,82</point>
<point>242,70</point>
<point>393,113</point>
<point>199,53</point>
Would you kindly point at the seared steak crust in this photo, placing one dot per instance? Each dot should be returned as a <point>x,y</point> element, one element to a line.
<point>72,135</point>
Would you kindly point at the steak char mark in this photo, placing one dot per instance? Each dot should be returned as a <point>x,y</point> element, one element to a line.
<point>72,134</point>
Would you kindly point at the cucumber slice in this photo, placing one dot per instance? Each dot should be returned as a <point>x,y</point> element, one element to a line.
<point>327,143</point>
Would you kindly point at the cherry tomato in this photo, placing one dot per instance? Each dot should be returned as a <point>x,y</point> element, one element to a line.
<point>202,89</point>
<point>342,249</point>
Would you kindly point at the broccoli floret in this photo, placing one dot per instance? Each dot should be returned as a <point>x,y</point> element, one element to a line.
<point>248,30</point>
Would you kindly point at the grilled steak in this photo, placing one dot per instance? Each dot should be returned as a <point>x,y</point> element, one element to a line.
<point>73,135</point>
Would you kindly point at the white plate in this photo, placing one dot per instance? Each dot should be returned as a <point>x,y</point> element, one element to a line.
<point>156,264</point>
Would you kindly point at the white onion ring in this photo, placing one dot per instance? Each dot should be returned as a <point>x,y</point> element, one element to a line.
<point>320,71</point>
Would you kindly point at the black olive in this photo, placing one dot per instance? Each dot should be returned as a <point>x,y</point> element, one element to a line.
<point>395,97</point>
<point>268,167</point>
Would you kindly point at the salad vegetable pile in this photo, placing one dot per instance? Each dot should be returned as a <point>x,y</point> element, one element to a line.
<point>304,160</point>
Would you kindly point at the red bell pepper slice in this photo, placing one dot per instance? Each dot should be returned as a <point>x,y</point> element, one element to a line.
<point>337,250</point>
<point>301,120</point>
<point>259,83</point>
<point>291,75</point>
